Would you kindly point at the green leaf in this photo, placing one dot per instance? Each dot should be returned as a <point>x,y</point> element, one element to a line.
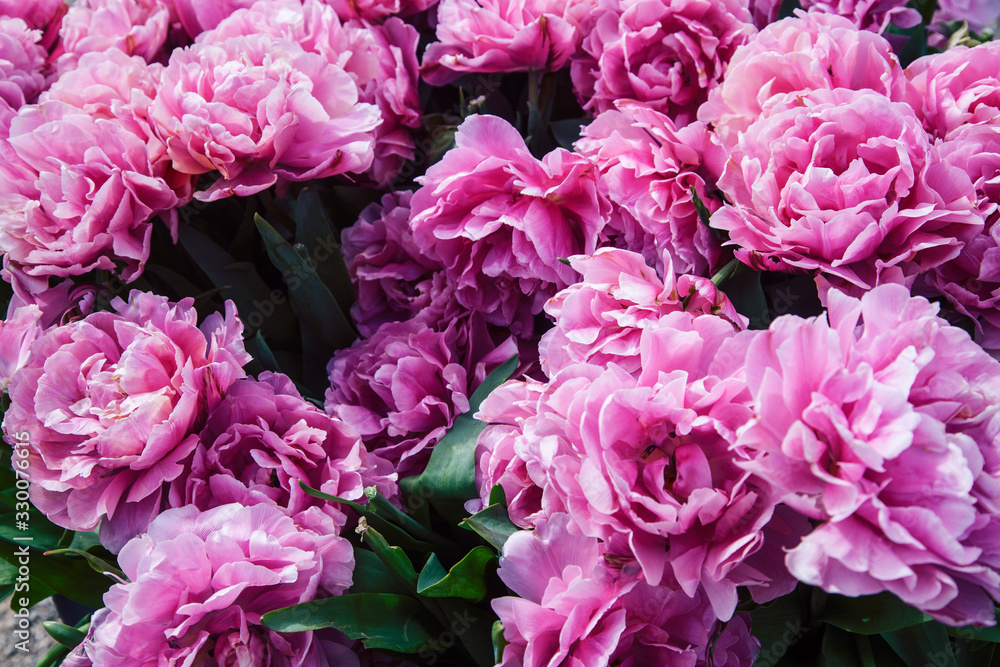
<point>371,575</point>
<point>778,625</point>
<point>923,644</point>
<point>71,577</point>
<point>450,477</point>
<point>66,635</point>
<point>98,564</point>
<point>314,231</point>
<point>742,285</point>
<point>498,496</point>
<point>499,642</point>
<point>870,615</point>
<point>380,620</point>
<point>324,326</point>
<point>394,558</point>
<point>261,351</point>
<point>466,580</point>
<point>256,302</point>
<point>493,524</point>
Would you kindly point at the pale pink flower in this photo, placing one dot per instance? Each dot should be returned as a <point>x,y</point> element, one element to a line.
<point>600,319</point>
<point>199,582</point>
<point>960,86</point>
<point>879,422</point>
<point>646,462</point>
<point>135,27</point>
<point>795,55</point>
<point>86,199</point>
<point>21,63</point>
<point>874,15</point>
<point>402,388</point>
<point>503,36</point>
<point>381,59</point>
<point>109,402</point>
<point>667,54</point>
<point>649,167</point>
<point>17,332</point>
<point>499,220</point>
<point>845,183</point>
<point>210,113</point>
<point>262,440</point>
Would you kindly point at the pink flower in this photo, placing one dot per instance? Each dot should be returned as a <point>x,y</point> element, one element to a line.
<point>210,113</point>
<point>503,36</point>
<point>108,403</point>
<point>764,12</point>
<point>845,182</point>
<point>499,220</point>
<point>579,605</point>
<point>977,13</point>
<point>879,422</point>
<point>600,319</point>
<point>199,583</point>
<point>795,55</point>
<point>382,60</point>
<point>377,10</point>
<point>649,167</point>
<point>136,27</point>
<point>17,333</point>
<point>646,461</point>
<point>958,87</point>
<point>971,281</point>
<point>198,16</point>
<point>262,440</point>
<point>43,15</point>
<point>402,388</point>
<point>21,63</point>
<point>85,201</point>
<point>874,15</point>
<point>667,54</point>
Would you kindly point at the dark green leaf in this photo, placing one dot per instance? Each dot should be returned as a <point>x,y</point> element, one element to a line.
<point>393,557</point>
<point>778,625</point>
<point>742,285</point>
<point>472,625</point>
<point>314,231</point>
<point>72,577</point>
<point>66,635</point>
<point>870,615</point>
<point>493,524</point>
<point>567,132</point>
<point>371,575</point>
<point>499,375</point>
<point>380,620</point>
<point>466,580</point>
<point>98,564</point>
<point>923,644</point>
<point>499,642</point>
<point>839,649</point>
<point>260,350</point>
<point>498,496</point>
<point>989,634</point>
<point>257,303</point>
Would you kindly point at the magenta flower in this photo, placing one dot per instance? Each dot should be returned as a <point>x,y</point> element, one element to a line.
<point>21,63</point>
<point>136,27</point>
<point>499,220</point>
<point>42,15</point>
<point>262,440</point>
<point>874,15</point>
<point>977,13</point>
<point>845,183</point>
<point>381,59</point>
<point>199,583</point>
<point>600,319</point>
<point>108,403</point>
<point>85,200</point>
<point>402,388</point>
<point>667,54</point>
<point>649,167</point>
<point>503,36</point>
<point>879,422</point>
<point>795,55</point>
<point>377,10</point>
<point>207,113</point>
<point>198,16</point>
<point>957,87</point>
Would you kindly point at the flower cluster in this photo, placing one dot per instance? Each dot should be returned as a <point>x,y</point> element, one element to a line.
<point>602,324</point>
